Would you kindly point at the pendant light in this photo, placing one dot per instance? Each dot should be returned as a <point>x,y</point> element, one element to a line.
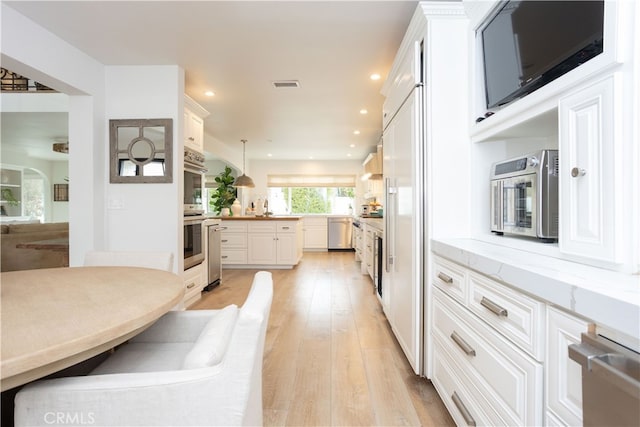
<point>243,180</point>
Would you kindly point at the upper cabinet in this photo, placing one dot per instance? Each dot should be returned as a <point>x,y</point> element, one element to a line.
<point>588,114</point>
<point>194,116</point>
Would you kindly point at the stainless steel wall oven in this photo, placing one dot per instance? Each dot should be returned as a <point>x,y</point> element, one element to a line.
<point>193,248</point>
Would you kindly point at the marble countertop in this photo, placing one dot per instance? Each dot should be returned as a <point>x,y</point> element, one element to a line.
<point>607,298</point>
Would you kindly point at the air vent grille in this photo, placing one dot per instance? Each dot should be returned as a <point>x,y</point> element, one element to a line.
<point>286,84</point>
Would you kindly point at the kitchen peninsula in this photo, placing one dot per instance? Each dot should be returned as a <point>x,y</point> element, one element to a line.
<point>261,241</point>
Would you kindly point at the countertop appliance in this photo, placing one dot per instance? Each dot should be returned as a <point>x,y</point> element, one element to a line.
<point>524,195</point>
<point>340,230</point>
<point>610,381</point>
<point>214,260</point>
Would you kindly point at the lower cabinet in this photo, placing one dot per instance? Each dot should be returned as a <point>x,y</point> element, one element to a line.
<point>262,243</point>
<point>315,233</point>
<point>501,379</point>
<point>500,357</point>
<point>194,281</point>
<point>563,375</point>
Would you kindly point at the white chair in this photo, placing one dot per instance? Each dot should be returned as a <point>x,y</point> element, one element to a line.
<point>156,260</point>
<point>199,367</point>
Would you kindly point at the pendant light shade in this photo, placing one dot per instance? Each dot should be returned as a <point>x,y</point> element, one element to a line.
<point>243,180</point>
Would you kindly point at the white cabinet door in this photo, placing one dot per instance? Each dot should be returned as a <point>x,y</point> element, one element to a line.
<point>590,180</point>
<point>193,131</point>
<point>262,248</point>
<point>287,252</point>
<point>563,375</point>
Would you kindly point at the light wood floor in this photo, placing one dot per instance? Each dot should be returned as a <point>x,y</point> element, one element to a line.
<point>330,356</point>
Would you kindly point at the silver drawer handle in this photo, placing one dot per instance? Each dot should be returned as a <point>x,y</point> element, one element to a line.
<point>493,307</point>
<point>224,256</point>
<point>224,240</point>
<point>285,228</point>
<point>462,344</point>
<point>445,278</point>
<point>463,410</point>
<point>190,285</point>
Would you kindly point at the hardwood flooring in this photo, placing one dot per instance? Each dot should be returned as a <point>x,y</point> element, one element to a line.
<point>330,357</point>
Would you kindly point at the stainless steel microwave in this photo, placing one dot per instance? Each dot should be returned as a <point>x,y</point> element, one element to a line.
<point>524,195</point>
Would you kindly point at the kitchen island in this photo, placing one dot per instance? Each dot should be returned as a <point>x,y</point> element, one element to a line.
<point>273,242</point>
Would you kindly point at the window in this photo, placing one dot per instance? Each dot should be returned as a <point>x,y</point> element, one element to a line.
<point>311,194</point>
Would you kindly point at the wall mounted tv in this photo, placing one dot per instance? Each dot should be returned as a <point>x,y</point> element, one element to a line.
<point>530,43</point>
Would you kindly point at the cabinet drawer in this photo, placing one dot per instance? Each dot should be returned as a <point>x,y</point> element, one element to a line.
<point>262,227</point>
<point>464,410</point>
<point>515,315</point>
<point>233,240</point>
<point>286,227</point>
<point>234,256</point>
<point>450,278</point>
<point>193,282</point>
<point>505,376</point>
<point>234,226</point>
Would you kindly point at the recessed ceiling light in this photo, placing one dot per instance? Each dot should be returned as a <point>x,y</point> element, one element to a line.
<point>356,132</point>
<point>269,155</point>
<point>375,77</point>
<point>348,154</point>
<point>209,93</point>
<point>363,111</point>
<point>352,145</point>
<point>310,157</point>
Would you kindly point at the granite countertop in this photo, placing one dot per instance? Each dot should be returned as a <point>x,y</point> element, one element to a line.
<point>608,298</point>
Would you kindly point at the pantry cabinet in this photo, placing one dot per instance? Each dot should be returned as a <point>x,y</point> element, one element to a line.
<point>591,186</point>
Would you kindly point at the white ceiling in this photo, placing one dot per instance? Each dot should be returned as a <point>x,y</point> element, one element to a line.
<point>237,48</point>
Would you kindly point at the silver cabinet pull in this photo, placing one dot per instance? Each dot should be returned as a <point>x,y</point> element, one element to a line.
<point>224,256</point>
<point>462,344</point>
<point>190,285</point>
<point>577,172</point>
<point>493,307</point>
<point>224,240</point>
<point>463,410</point>
<point>285,228</point>
<point>445,278</point>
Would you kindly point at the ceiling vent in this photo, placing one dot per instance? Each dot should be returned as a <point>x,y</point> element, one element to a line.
<point>286,84</point>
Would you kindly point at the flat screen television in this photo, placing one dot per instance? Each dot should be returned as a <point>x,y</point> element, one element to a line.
<point>529,43</point>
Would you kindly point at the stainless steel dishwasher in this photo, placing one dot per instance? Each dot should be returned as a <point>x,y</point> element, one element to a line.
<point>610,381</point>
<point>214,260</point>
<point>340,229</point>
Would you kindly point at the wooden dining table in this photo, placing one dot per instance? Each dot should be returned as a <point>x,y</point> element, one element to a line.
<point>54,318</point>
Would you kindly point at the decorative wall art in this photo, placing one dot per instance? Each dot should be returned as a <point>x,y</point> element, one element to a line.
<point>141,151</point>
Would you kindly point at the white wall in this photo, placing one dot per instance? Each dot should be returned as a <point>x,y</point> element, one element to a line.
<point>146,217</point>
<point>151,217</point>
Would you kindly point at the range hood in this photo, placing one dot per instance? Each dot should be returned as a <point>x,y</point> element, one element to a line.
<point>373,165</point>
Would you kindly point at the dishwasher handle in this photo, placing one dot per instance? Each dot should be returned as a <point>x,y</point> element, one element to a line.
<point>608,361</point>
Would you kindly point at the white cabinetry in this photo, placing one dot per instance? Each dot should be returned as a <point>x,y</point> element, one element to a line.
<point>488,377</point>
<point>234,243</point>
<point>315,233</point>
<point>591,187</point>
<point>194,116</point>
<point>253,243</point>
<point>194,281</point>
<point>563,375</point>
